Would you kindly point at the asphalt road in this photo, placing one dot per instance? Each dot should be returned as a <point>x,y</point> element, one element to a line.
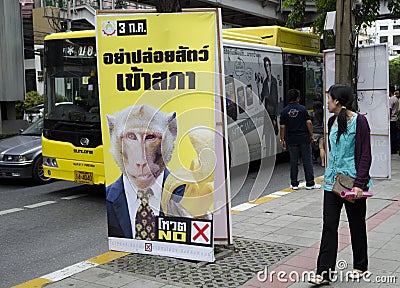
<point>49,227</point>
<point>41,232</point>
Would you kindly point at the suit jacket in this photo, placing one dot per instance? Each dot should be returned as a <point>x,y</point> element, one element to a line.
<point>270,96</point>
<point>119,223</point>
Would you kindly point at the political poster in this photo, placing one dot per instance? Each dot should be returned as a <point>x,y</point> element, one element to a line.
<point>164,156</point>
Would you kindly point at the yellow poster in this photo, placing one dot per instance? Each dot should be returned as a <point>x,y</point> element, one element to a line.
<point>158,81</point>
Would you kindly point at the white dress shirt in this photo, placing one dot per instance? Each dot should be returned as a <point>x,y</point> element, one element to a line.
<point>134,202</point>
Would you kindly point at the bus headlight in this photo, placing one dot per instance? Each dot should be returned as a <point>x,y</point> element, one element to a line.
<point>49,161</point>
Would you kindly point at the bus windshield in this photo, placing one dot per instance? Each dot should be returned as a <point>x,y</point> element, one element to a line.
<point>71,81</point>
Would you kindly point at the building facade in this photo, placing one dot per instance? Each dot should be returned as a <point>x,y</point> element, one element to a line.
<point>386,31</point>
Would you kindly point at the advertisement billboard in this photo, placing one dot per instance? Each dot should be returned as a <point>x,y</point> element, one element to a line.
<point>160,84</point>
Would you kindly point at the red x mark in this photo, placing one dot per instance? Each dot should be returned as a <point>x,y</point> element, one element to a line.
<point>201,232</point>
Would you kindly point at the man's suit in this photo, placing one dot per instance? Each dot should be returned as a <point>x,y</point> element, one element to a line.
<point>119,224</point>
<point>270,96</point>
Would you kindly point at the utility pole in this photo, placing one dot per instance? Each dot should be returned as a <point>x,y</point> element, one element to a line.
<point>343,44</point>
<point>69,20</point>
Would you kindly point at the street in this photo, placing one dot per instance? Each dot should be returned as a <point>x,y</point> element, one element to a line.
<point>47,228</point>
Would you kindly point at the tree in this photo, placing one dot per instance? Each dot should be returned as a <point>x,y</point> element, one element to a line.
<point>168,6</point>
<point>394,71</point>
<point>120,4</point>
<point>32,98</point>
<point>351,16</point>
<point>365,13</point>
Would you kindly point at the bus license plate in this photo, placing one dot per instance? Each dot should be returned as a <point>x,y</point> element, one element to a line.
<point>84,177</point>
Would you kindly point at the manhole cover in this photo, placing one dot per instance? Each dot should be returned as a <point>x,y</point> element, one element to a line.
<point>234,265</point>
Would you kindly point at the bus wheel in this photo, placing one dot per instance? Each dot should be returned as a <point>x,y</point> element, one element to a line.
<point>38,172</point>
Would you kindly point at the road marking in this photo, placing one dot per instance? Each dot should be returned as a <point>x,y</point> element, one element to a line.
<point>74,196</point>
<point>69,271</point>
<point>40,204</point>
<point>280,193</point>
<point>4,212</point>
<point>243,207</point>
<point>37,282</point>
<point>108,257</point>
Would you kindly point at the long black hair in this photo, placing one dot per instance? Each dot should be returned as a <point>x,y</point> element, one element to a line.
<point>344,95</point>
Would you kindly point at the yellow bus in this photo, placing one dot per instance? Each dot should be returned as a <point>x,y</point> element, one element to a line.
<point>72,144</point>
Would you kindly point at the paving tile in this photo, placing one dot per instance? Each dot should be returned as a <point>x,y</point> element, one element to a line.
<point>93,275</point>
<point>301,241</point>
<point>273,237</point>
<point>302,262</point>
<point>387,254</point>
<point>97,285</point>
<point>118,279</point>
<point>309,252</point>
<point>266,228</point>
<point>144,283</point>
<point>68,282</point>
<point>380,264</point>
<point>291,231</point>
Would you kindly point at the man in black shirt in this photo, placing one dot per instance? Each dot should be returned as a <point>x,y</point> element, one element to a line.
<point>296,122</point>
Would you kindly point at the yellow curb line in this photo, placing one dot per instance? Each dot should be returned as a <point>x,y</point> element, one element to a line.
<point>267,198</point>
<point>34,283</point>
<point>262,200</point>
<point>107,257</point>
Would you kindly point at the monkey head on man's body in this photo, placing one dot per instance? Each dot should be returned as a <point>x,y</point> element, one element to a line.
<point>142,143</point>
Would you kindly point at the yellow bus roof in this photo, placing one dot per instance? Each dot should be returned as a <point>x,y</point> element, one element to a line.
<point>291,41</point>
<point>282,37</point>
<point>69,35</point>
<point>231,35</point>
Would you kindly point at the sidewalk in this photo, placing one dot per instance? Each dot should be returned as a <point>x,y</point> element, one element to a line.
<point>280,231</point>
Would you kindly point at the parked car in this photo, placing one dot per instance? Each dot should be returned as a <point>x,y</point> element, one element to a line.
<point>34,113</point>
<point>21,155</point>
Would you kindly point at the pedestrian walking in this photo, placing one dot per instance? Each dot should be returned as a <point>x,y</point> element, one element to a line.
<point>349,154</point>
<point>397,94</point>
<point>318,127</point>
<point>296,123</point>
<point>393,110</point>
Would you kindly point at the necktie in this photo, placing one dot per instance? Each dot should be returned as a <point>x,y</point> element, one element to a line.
<point>145,225</point>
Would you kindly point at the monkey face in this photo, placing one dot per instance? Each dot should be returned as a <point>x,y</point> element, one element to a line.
<point>142,157</point>
<point>142,140</point>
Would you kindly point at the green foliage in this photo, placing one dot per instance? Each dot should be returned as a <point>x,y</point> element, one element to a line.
<point>394,71</point>
<point>120,4</point>
<point>295,17</point>
<point>32,98</point>
<point>394,7</point>
<point>322,6</point>
<point>61,98</point>
<point>364,15</point>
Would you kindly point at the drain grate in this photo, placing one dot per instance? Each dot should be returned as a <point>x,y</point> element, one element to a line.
<point>234,266</point>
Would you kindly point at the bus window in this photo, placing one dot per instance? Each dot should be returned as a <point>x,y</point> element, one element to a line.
<point>71,79</point>
<point>230,98</point>
<point>249,95</point>
<point>241,99</point>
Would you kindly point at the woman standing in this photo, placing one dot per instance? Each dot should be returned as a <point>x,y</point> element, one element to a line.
<point>349,154</point>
